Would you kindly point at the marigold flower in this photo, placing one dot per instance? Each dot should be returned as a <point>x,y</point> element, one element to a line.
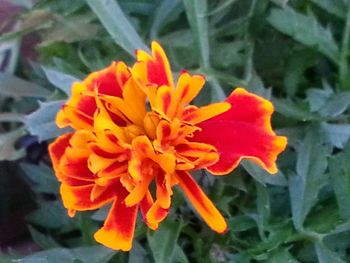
<point>134,126</point>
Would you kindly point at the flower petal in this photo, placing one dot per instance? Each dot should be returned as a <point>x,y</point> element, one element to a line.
<point>186,90</point>
<point>201,202</point>
<point>118,229</point>
<point>155,215</point>
<point>57,149</point>
<point>78,197</point>
<point>163,191</point>
<point>245,132</point>
<point>157,66</point>
<point>206,112</point>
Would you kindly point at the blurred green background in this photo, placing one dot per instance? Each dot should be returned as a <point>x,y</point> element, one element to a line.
<point>295,53</point>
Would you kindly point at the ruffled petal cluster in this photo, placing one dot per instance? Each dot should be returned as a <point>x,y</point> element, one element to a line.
<point>135,126</point>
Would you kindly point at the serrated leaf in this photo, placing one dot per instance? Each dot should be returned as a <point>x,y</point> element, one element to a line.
<point>310,178</point>
<point>8,140</point>
<point>50,215</point>
<point>41,122</point>
<point>318,97</point>
<point>117,25</point>
<point>325,255</point>
<point>13,86</point>
<point>163,241</point>
<point>42,240</point>
<point>334,7</point>
<point>336,134</point>
<point>9,53</point>
<point>167,11</point>
<point>263,203</point>
<point>93,254</point>
<point>70,30</point>
<point>42,176</point>
<point>280,256</point>
<point>291,110</point>
<point>306,30</point>
<point>216,92</point>
<point>335,104</point>
<point>179,255</point>
<point>262,176</point>
<point>137,254</point>
<point>196,11</point>
<point>339,171</point>
<point>60,80</point>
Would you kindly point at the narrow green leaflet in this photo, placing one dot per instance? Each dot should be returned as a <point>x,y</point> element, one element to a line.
<point>41,122</point>
<point>8,140</point>
<point>92,254</point>
<point>51,215</point>
<point>163,241</point>
<point>168,10</point>
<point>137,254</point>
<point>336,134</point>
<point>42,240</point>
<point>306,30</point>
<point>281,256</point>
<point>117,25</point>
<point>325,255</point>
<point>334,7</point>
<point>15,87</point>
<point>291,110</point>
<point>339,170</point>
<point>262,176</point>
<point>310,177</point>
<point>196,11</point>
<point>42,176</point>
<point>336,104</point>
<point>216,92</point>
<point>60,80</point>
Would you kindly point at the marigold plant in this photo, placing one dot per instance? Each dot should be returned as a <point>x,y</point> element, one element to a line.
<point>135,125</point>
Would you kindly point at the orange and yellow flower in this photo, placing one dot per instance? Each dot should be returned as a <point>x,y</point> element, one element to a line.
<point>135,125</point>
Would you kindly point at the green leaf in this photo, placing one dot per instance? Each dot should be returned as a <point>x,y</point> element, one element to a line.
<point>92,254</point>
<point>306,30</point>
<point>262,176</point>
<point>334,7</point>
<point>9,53</point>
<point>263,203</point>
<point>41,122</point>
<point>42,240</point>
<point>279,256</point>
<point>42,176</point>
<point>310,177</point>
<point>137,254</point>
<point>167,11</point>
<point>4,259</point>
<point>281,3</point>
<point>15,87</point>
<point>336,134</point>
<point>318,97</point>
<point>60,80</point>
<point>117,25</point>
<point>196,11</point>
<point>8,140</point>
<point>339,171</point>
<point>336,105</point>
<point>291,110</point>
<point>163,241</point>
<point>216,92</point>
<point>179,255</point>
<point>325,255</point>
<point>50,215</point>
<point>71,29</point>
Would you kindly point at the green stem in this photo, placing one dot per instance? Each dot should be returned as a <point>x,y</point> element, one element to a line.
<point>343,62</point>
